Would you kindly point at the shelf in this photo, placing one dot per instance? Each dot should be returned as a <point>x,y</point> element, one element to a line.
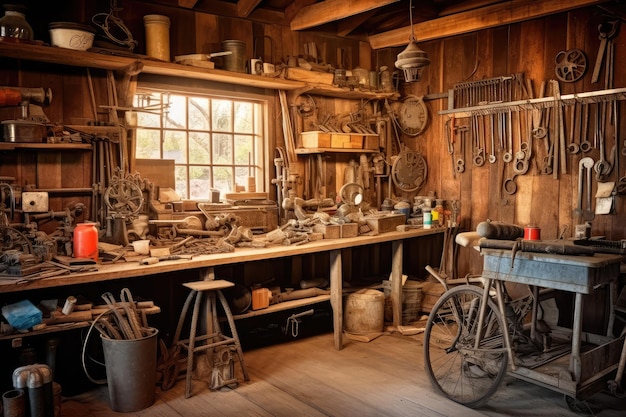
<point>287,305</point>
<point>343,92</point>
<point>539,103</point>
<point>55,55</point>
<point>48,329</point>
<point>9,146</point>
<point>309,151</point>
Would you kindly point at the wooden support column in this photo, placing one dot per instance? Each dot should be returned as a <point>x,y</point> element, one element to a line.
<point>396,281</point>
<point>336,297</point>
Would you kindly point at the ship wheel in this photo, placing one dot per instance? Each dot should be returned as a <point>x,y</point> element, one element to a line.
<point>124,198</point>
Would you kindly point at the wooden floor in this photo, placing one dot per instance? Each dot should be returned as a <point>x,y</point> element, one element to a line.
<point>308,377</point>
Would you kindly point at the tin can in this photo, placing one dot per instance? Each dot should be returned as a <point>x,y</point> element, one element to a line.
<point>532,233</point>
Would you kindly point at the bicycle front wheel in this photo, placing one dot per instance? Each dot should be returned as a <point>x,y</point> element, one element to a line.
<point>458,368</point>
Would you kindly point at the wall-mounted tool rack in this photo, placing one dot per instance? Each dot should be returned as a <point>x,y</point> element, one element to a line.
<point>539,103</point>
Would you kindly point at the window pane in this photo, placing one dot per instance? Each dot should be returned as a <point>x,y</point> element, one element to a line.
<point>199,148</point>
<point>222,149</point>
<point>199,113</point>
<point>223,179</point>
<point>241,176</point>
<point>181,182</point>
<point>175,147</point>
<point>176,116</point>
<point>199,182</point>
<point>243,150</point>
<point>243,117</point>
<point>148,144</point>
<point>222,117</point>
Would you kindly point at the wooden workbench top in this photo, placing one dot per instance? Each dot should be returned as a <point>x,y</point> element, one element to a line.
<point>122,270</point>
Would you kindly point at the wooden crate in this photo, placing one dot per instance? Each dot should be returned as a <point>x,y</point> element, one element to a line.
<point>337,231</point>
<point>385,223</point>
<point>315,139</point>
<point>346,140</point>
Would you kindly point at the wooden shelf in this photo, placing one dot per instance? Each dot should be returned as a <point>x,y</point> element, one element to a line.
<point>287,305</point>
<point>48,329</point>
<point>344,92</point>
<point>55,55</point>
<point>9,146</point>
<point>308,151</point>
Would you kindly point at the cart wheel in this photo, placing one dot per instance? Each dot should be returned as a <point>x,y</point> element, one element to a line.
<point>578,406</point>
<point>455,367</point>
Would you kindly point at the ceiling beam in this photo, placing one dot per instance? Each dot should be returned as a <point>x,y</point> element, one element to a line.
<point>245,7</point>
<point>500,14</point>
<point>331,10</point>
<point>187,4</point>
<point>346,26</point>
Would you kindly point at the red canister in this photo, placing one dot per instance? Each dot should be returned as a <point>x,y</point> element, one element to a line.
<point>85,243</point>
<point>532,233</point>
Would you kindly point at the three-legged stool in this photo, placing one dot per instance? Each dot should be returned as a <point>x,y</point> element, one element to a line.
<point>213,337</point>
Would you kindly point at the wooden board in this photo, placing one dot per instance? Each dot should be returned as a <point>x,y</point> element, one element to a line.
<point>159,171</point>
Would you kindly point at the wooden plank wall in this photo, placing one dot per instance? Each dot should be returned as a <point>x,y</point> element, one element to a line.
<point>528,47</point>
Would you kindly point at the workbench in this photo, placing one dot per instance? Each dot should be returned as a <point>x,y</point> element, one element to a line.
<point>580,275</point>
<point>204,265</point>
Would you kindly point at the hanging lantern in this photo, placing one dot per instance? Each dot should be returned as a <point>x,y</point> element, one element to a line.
<point>412,60</point>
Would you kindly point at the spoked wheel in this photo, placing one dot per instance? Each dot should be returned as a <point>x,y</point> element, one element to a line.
<point>455,367</point>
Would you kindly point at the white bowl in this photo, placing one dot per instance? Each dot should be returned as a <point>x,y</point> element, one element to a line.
<point>71,35</point>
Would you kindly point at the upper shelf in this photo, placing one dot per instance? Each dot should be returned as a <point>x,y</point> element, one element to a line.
<point>55,55</point>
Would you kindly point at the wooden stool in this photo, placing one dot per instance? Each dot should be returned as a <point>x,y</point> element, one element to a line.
<point>213,336</point>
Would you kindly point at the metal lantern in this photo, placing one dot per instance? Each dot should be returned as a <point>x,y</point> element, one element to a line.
<point>412,60</point>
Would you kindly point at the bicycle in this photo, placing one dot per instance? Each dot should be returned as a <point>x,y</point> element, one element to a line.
<point>477,332</point>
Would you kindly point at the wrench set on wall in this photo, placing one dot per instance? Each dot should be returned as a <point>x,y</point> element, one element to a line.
<point>500,118</point>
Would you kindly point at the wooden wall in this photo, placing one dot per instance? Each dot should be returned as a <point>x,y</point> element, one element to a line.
<point>528,47</point>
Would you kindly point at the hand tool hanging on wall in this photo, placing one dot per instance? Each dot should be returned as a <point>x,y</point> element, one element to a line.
<point>584,172</point>
<point>608,31</point>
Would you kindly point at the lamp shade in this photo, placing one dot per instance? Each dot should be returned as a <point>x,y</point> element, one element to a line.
<point>412,62</point>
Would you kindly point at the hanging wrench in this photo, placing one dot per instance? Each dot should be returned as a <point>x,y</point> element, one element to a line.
<point>602,166</point>
<point>492,154</point>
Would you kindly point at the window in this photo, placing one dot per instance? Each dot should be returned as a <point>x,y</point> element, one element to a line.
<point>216,142</point>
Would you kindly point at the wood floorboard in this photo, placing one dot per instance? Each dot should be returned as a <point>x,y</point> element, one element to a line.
<point>308,377</point>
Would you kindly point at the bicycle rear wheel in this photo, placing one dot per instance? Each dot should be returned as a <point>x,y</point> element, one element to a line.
<point>455,366</point>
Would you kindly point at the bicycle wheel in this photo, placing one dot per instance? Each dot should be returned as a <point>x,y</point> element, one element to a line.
<point>455,367</point>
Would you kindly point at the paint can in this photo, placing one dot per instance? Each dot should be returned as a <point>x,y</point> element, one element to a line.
<point>532,233</point>
<point>236,61</point>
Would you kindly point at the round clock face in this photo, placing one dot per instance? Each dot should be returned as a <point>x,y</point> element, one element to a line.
<point>413,115</point>
<point>409,171</point>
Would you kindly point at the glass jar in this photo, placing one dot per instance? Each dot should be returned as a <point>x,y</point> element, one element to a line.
<point>439,216</point>
<point>13,24</point>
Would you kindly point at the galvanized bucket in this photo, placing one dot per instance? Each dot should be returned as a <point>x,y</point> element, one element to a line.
<point>131,371</point>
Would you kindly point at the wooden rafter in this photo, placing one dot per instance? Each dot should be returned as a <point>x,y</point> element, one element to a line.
<point>187,4</point>
<point>346,26</point>
<point>331,10</point>
<point>245,7</point>
<point>482,18</point>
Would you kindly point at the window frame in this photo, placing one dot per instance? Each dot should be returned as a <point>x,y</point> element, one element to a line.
<point>261,144</point>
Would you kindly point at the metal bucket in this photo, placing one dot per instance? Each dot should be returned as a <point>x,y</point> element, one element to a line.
<point>236,61</point>
<point>131,372</point>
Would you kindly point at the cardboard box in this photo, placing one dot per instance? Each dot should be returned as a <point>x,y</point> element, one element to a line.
<point>315,139</point>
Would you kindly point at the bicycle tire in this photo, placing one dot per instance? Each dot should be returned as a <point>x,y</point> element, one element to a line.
<point>455,368</point>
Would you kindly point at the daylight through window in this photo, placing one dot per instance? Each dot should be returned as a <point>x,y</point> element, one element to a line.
<point>216,142</point>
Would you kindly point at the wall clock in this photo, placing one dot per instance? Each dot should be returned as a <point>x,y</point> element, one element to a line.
<point>409,171</point>
<point>413,115</point>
